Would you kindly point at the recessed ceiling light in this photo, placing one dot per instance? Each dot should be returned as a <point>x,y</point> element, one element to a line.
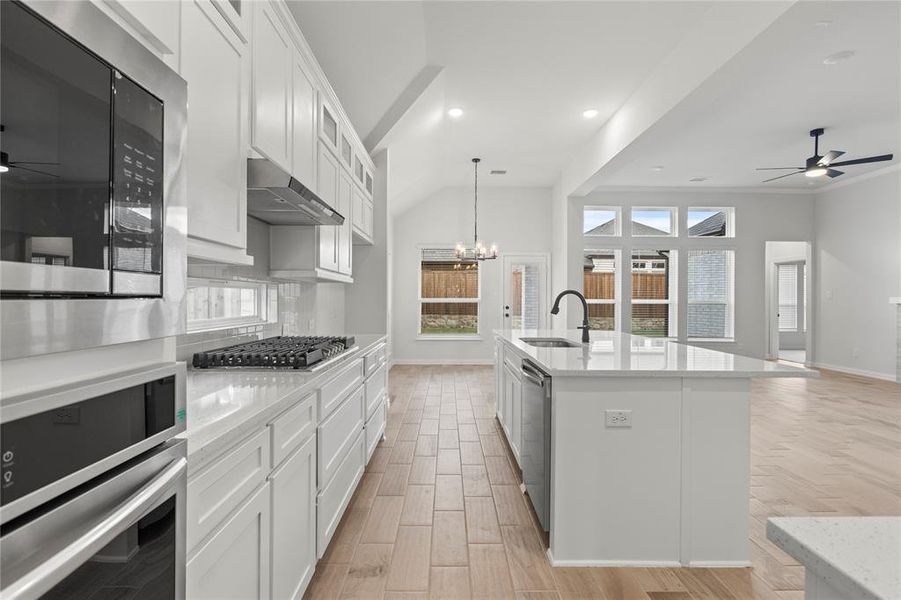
<point>657,168</point>
<point>455,113</point>
<point>838,57</point>
<point>590,113</point>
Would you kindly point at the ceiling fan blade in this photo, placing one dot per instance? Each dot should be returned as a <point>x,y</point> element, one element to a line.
<point>781,176</point>
<point>834,172</point>
<point>31,162</point>
<point>778,168</point>
<point>34,171</point>
<point>860,161</point>
<point>829,157</point>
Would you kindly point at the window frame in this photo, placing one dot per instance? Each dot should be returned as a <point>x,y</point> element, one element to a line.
<point>617,222</point>
<point>617,283</point>
<point>674,221</point>
<point>730,222</point>
<point>267,311</point>
<point>730,290</point>
<point>672,302</point>
<point>477,301</point>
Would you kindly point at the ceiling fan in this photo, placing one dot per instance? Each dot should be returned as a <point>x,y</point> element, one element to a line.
<point>819,165</point>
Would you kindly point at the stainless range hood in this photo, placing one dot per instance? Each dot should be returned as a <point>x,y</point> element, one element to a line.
<point>275,197</point>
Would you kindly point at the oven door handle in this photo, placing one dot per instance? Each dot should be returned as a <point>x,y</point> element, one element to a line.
<point>42,578</point>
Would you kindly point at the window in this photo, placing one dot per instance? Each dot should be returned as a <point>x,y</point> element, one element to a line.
<point>711,222</point>
<point>653,222</point>
<point>711,285</point>
<point>448,294</point>
<point>218,304</point>
<point>792,284</point>
<point>600,221</point>
<point>599,285</point>
<point>654,292</point>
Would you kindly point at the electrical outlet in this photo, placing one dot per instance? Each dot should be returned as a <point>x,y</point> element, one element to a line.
<point>618,418</point>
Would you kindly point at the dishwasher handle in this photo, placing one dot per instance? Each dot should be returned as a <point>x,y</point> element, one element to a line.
<point>533,374</point>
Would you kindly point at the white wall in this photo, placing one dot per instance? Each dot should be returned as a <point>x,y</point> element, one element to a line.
<point>857,254</point>
<point>758,217</point>
<point>517,219</point>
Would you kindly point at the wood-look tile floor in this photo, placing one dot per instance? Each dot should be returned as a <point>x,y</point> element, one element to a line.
<point>439,513</point>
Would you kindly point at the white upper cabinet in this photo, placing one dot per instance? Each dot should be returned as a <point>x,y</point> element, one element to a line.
<point>215,64</point>
<point>344,241</point>
<point>361,217</point>
<point>273,59</point>
<point>328,125</point>
<point>304,125</point>
<point>328,191</point>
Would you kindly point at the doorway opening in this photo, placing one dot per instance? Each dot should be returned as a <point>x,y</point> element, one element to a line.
<point>788,301</point>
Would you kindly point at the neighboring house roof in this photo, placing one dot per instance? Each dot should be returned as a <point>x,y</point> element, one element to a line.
<point>714,225</point>
<point>637,229</point>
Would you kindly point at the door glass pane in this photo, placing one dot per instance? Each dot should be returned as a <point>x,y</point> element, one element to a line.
<point>524,296</point>
<point>788,297</point>
<point>55,139</point>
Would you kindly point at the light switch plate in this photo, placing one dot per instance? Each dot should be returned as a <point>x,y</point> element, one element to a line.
<point>618,418</point>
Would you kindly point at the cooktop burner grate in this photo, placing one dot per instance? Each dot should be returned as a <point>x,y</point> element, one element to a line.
<point>285,352</point>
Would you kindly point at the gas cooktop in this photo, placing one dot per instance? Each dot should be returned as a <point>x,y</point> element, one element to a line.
<point>281,352</point>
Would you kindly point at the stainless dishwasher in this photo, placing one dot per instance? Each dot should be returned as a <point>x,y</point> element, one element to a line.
<point>535,453</point>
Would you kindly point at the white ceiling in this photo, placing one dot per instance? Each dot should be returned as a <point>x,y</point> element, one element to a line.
<point>757,110</point>
<point>523,72</point>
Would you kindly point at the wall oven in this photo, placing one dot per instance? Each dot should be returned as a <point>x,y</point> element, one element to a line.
<point>92,196</point>
<point>93,489</point>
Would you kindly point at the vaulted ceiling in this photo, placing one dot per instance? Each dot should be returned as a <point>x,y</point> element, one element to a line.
<point>523,72</point>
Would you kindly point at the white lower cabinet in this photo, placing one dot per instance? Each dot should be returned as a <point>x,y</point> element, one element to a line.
<point>375,428</point>
<point>511,415</point>
<point>234,561</point>
<point>335,496</point>
<point>294,522</point>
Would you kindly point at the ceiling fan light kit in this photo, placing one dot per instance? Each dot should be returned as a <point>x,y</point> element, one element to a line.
<point>478,251</point>
<point>819,165</point>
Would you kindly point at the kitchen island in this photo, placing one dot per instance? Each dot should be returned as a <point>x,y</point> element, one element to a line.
<point>628,414</point>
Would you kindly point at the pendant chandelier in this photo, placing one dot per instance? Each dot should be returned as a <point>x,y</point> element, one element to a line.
<point>478,251</point>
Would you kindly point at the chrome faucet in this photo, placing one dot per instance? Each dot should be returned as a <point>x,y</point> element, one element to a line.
<point>584,326</point>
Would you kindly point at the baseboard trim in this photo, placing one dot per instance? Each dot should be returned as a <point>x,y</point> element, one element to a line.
<point>858,372</point>
<point>718,564</point>
<point>442,361</point>
<point>611,563</point>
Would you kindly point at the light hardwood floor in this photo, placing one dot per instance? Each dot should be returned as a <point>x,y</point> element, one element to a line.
<point>438,513</point>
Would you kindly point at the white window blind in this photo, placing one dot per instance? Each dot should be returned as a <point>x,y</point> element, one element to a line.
<point>788,297</point>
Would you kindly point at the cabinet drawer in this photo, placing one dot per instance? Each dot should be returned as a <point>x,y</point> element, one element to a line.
<point>374,359</point>
<point>216,491</point>
<point>339,387</point>
<point>337,433</point>
<point>292,427</point>
<point>375,428</point>
<point>375,389</point>
<point>334,498</point>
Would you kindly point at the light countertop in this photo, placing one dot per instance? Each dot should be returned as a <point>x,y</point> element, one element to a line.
<point>225,405</point>
<point>859,556</point>
<point>615,354</point>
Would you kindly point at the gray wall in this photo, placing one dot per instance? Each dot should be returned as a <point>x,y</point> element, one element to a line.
<point>857,255</point>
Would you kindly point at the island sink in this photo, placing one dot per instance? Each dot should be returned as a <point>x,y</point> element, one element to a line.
<point>549,342</point>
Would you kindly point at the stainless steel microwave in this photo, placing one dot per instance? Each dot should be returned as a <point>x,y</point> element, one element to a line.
<point>81,187</point>
<point>92,190</point>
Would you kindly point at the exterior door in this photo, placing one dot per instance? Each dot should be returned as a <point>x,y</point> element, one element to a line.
<point>525,288</point>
